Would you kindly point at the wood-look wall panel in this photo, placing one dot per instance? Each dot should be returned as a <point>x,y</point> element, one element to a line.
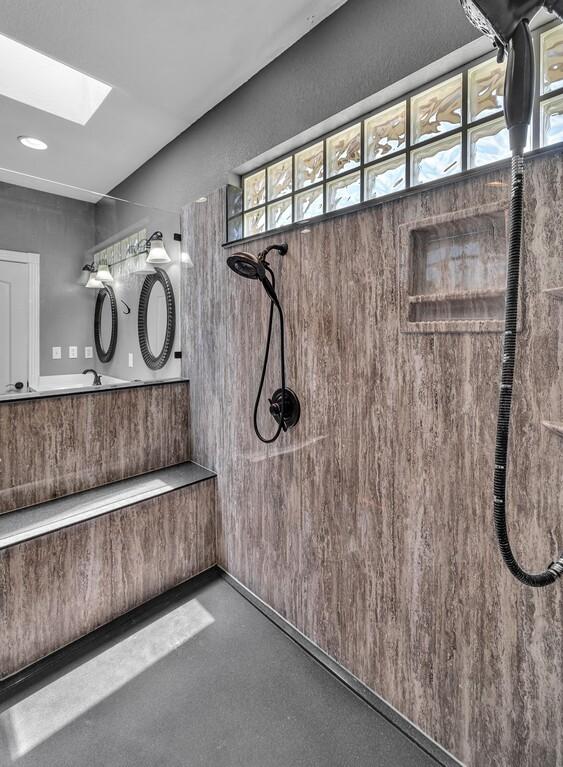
<point>59,587</point>
<point>54,446</point>
<point>369,526</point>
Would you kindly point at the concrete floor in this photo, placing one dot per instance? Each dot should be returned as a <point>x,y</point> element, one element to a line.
<point>207,681</point>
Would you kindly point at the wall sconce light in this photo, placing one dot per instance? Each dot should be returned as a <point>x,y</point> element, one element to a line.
<point>153,246</point>
<point>92,282</point>
<point>103,274</point>
<point>156,251</point>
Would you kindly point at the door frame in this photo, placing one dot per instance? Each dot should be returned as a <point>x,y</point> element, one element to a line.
<point>32,261</point>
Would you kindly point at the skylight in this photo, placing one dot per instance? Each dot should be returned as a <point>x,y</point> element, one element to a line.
<point>43,83</point>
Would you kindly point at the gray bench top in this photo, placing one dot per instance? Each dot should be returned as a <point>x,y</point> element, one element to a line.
<point>34,521</point>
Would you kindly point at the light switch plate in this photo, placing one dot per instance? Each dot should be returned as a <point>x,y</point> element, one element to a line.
<point>56,352</point>
<point>130,360</point>
<point>88,353</point>
<point>72,352</point>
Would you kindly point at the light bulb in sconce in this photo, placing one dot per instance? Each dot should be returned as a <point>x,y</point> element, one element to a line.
<point>103,274</point>
<point>93,282</point>
<point>157,251</point>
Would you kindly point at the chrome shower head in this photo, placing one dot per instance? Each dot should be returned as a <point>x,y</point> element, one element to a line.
<point>247,265</point>
<point>499,19</point>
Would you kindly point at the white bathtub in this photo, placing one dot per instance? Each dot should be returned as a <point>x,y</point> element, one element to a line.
<point>74,381</point>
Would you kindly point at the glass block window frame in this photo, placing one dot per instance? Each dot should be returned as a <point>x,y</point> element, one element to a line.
<point>306,191</point>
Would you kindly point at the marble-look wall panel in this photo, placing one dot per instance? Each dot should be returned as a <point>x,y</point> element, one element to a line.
<point>369,526</point>
<point>54,446</point>
<point>59,587</point>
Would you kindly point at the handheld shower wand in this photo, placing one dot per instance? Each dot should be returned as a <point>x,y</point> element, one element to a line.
<point>506,22</point>
<point>284,403</point>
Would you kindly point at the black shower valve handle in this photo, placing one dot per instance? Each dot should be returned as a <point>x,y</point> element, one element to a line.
<point>275,412</point>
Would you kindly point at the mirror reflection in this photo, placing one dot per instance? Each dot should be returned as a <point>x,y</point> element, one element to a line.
<point>156,318</point>
<point>106,324</point>
<point>59,247</point>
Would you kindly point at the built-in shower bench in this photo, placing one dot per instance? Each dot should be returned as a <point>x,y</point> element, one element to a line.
<point>50,516</point>
<point>70,565</point>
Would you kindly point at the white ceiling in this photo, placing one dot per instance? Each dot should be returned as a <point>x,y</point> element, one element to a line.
<point>168,62</point>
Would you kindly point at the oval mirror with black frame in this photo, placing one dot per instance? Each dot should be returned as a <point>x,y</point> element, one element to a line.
<point>157,319</point>
<point>105,324</point>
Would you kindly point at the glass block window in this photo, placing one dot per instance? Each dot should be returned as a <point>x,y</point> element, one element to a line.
<point>343,151</point>
<point>386,132</point>
<point>309,204</point>
<point>437,110</point>
<point>343,192</point>
<point>486,89</point>
<point>552,60</point>
<point>385,177</point>
<point>439,131</point>
<point>552,121</point>
<point>280,179</point>
<point>234,231</point>
<point>255,222</point>
<point>309,165</point>
<point>279,214</point>
<point>436,160</point>
<point>488,142</point>
<point>255,189</point>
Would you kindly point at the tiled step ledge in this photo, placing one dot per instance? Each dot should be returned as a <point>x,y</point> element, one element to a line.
<point>35,521</point>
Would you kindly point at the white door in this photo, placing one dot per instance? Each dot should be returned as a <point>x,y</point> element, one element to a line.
<point>14,324</point>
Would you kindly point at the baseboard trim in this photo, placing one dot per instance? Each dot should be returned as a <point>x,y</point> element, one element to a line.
<point>388,712</point>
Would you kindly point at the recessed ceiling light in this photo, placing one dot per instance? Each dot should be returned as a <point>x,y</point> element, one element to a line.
<point>201,199</point>
<point>41,82</point>
<point>32,143</point>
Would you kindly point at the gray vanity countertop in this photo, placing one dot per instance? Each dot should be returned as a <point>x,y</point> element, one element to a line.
<point>15,397</point>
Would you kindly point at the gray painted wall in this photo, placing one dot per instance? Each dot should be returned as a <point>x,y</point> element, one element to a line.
<point>362,48</point>
<point>61,230</point>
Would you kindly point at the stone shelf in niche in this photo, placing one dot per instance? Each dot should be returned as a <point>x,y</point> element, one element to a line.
<point>457,306</point>
<point>555,292</point>
<point>452,271</point>
<point>459,295</point>
<point>556,427</point>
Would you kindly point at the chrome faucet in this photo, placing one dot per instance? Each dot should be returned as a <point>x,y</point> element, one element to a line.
<point>97,376</point>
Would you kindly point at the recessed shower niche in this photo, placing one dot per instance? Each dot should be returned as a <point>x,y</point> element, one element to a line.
<point>452,271</point>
